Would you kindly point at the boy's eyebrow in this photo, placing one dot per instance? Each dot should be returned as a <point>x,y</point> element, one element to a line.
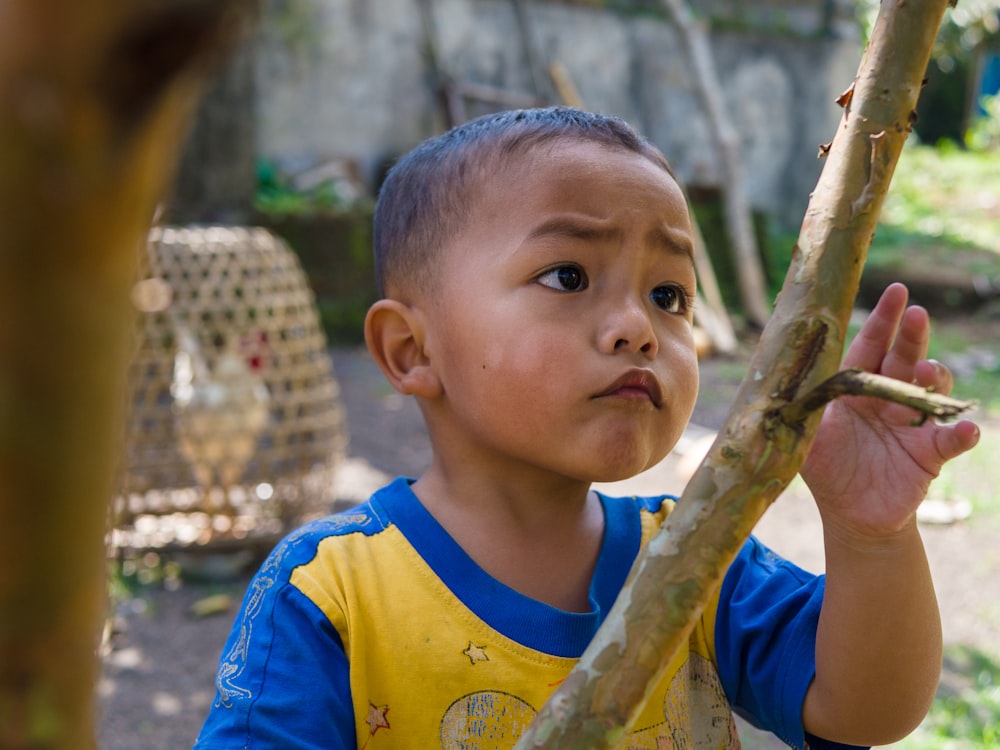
<point>674,242</point>
<point>565,226</point>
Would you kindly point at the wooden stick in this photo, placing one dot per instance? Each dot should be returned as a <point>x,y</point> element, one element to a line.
<point>752,461</point>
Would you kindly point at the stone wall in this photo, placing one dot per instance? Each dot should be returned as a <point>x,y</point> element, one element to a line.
<point>349,78</point>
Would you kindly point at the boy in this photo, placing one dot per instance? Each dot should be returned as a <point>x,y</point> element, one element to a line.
<point>537,279</point>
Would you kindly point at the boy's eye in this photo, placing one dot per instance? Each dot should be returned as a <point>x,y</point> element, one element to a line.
<point>670,298</point>
<point>564,279</point>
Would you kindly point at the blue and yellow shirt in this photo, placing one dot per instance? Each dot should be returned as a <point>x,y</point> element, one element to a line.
<point>373,629</point>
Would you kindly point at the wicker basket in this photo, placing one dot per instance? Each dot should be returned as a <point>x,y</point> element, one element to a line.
<point>207,293</point>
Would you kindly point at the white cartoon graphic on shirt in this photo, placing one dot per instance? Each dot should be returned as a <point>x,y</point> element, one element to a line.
<point>485,721</point>
<point>229,680</point>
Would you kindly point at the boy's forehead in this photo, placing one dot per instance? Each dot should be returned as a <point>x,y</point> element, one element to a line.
<point>508,170</point>
<point>551,183</point>
<point>548,152</point>
<point>560,161</point>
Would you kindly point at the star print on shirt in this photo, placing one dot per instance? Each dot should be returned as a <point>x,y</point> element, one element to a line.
<point>377,717</point>
<point>476,653</point>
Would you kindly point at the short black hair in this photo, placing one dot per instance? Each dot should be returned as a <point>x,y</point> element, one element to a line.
<point>429,194</point>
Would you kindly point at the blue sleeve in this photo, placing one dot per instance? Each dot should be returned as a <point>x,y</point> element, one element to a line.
<point>765,641</point>
<point>283,681</point>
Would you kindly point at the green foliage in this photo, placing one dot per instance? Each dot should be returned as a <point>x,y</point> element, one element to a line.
<point>708,211</point>
<point>984,133</point>
<point>772,19</point>
<point>944,196</point>
<point>335,250</point>
<point>129,575</point>
<point>940,218</point>
<point>276,194</point>
<point>966,712</point>
<point>343,320</point>
<point>973,478</point>
<point>624,6</point>
<point>945,103</point>
<point>964,26</point>
<point>294,22</point>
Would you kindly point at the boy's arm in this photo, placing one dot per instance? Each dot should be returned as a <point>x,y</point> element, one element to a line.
<point>878,647</point>
<point>283,680</point>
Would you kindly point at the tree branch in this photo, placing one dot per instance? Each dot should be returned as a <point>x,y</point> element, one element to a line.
<point>860,383</point>
<point>752,460</point>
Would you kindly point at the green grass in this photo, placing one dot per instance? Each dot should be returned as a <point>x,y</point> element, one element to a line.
<point>942,209</point>
<point>943,212</point>
<point>974,477</point>
<point>944,197</point>
<point>966,711</point>
<point>941,215</point>
<point>952,340</point>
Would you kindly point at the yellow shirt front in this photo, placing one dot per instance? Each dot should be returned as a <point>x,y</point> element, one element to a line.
<point>426,670</point>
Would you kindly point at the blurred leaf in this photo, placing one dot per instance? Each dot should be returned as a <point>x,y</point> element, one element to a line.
<point>217,604</point>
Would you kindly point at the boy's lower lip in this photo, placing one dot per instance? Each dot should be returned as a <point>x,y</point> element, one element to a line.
<point>631,394</point>
<point>636,385</point>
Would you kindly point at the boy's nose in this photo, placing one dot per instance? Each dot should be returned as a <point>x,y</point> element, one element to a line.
<point>628,328</point>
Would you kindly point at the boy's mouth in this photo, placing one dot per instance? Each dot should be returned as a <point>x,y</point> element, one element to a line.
<point>636,384</point>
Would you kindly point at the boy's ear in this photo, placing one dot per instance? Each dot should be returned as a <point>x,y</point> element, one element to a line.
<point>395,334</point>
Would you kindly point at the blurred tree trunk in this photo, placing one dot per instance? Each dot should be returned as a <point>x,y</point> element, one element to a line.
<point>694,40</point>
<point>95,96</point>
<point>759,449</point>
<point>217,177</point>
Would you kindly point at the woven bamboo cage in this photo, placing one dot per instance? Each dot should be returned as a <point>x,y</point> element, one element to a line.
<point>235,427</point>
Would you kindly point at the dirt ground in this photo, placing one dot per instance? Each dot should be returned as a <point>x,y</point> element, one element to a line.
<point>157,682</point>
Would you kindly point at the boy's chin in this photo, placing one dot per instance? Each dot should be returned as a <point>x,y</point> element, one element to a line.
<point>611,474</point>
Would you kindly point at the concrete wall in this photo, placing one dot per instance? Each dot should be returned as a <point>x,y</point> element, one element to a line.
<point>349,78</point>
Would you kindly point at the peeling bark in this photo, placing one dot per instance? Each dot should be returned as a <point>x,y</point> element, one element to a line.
<point>754,459</point>
<point>95,96</point>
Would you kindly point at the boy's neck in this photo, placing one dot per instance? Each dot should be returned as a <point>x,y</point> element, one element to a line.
<point>541,538</point>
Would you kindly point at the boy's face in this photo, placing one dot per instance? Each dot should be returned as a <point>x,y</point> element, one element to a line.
<point>560,324</point>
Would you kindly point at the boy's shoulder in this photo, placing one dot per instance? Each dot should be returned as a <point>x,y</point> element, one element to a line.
<point>360,519</point>
<point>367,519</point>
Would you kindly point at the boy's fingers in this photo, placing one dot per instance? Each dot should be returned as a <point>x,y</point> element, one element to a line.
<point>870,346</point>
<point>909,347</point>
<point>929,373</point>
<point>954,440</point>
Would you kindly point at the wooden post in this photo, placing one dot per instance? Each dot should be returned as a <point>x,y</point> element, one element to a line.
<point>95,96</point>
<point>736,208</point>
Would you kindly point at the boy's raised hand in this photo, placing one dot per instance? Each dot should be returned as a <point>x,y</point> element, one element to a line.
<point>870,466</point>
